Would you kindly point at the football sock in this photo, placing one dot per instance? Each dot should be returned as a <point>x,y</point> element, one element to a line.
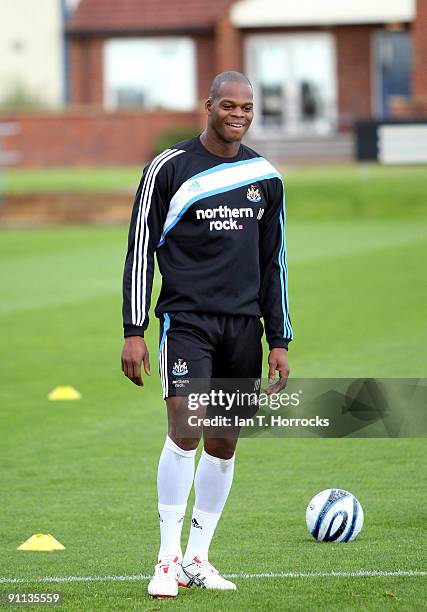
<point>174,479</point>
<point>212,485</point>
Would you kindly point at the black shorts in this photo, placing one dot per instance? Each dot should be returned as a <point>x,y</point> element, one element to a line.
<point>196,348</point>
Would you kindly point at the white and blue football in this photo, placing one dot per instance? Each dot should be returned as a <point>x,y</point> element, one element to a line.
<point>334,515</point>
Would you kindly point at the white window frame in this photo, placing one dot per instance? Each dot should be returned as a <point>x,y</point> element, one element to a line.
<point>295,129</point>
<point>110,96</point>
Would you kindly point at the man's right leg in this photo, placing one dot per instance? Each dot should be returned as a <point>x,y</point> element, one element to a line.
<point>174,479</point>
<point>183,355</point>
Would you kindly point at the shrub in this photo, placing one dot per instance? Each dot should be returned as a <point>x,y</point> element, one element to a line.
<point>20,98</point>
<point>170,137</point>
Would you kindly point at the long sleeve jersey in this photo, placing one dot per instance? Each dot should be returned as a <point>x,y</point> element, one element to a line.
<point>217,226</point>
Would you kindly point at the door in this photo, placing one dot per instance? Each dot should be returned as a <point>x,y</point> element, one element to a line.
<point>294,81</point>
<point>393,59</point>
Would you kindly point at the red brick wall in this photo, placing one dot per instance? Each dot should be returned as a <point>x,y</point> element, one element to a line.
<point>228,46</point>
<point>86,138</point>
<point>419,30</point>
<point>205,52</point>
<point>86,70</point>
<point>75,59</point>
<point>353,52</point>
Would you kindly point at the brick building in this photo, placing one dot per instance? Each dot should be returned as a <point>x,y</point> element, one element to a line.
<point>140,67</point>
<point>316,67</point>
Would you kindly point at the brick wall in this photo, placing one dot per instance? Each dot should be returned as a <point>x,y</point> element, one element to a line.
<point>205,51</point>
<point>228,46</point>
<point>86,70</point>
<point>90,138</point>
<point>353,56</point>
<point>419,31</point>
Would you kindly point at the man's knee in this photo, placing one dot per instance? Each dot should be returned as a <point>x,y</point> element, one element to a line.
<point>223,448</point>
<point>184,443</point>
<point>181,426</point>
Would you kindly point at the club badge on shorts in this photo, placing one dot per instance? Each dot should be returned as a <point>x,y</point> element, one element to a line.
<point>180,368</point>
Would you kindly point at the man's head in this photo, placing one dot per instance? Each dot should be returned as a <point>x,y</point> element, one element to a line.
<point>230,106</point>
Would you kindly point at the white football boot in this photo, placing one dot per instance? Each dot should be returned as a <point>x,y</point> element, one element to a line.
<point>164,582</point>
<point>204,575</point>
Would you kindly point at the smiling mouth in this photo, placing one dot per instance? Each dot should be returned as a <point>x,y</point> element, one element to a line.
<point>235,125</point>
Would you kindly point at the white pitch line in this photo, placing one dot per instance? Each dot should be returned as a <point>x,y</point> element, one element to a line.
<point>356,574</point>
<point>242,576</point>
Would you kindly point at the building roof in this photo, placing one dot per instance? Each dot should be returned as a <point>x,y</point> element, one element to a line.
<point>270,13</point>
<point>93,16</point>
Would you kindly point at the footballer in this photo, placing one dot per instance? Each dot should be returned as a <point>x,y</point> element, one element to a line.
<point>213,212</point>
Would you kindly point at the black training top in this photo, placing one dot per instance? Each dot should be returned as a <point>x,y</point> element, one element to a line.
<point>217,226</point>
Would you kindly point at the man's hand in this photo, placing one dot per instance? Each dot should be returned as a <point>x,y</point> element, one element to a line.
<point>277,361</point>
<point>133,354</point>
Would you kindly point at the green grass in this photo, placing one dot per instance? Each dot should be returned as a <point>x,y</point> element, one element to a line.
<point>353,191</point>
<point>22,181</point>
<point>357,191</point>
<point>85,471</point>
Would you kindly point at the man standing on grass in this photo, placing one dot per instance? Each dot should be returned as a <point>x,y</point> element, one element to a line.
<point>213,211</point>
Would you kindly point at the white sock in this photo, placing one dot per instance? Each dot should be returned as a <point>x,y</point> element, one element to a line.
<point>174,479</point>
<point>212,486</point>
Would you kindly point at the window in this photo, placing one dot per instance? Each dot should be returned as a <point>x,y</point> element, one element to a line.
<point>154,73</point>
<point>393,66</point>
<point>294,82</point>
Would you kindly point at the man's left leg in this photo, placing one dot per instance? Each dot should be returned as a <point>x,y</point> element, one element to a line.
<point>240,360</point>
<point>212,485</point>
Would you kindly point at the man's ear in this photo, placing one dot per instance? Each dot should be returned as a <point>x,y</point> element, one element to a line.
<point>208,106</point>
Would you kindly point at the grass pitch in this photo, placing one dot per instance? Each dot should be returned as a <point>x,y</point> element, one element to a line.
<point>85,470</point>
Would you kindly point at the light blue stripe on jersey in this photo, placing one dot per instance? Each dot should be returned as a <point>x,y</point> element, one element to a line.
<point>224,166</point>
<point>282,279</point>
<point>287,327</point>
<point>166,325</point>
<point>207,194</point>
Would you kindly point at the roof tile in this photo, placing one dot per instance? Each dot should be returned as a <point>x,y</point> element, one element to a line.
<point>133,15</point>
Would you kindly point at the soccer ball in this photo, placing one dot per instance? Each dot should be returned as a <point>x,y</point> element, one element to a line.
<point>334,515</point>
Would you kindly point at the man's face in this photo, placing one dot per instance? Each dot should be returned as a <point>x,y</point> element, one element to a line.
<point>231,113</point>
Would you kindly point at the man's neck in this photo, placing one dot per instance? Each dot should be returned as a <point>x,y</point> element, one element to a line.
<point>219,147</point>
